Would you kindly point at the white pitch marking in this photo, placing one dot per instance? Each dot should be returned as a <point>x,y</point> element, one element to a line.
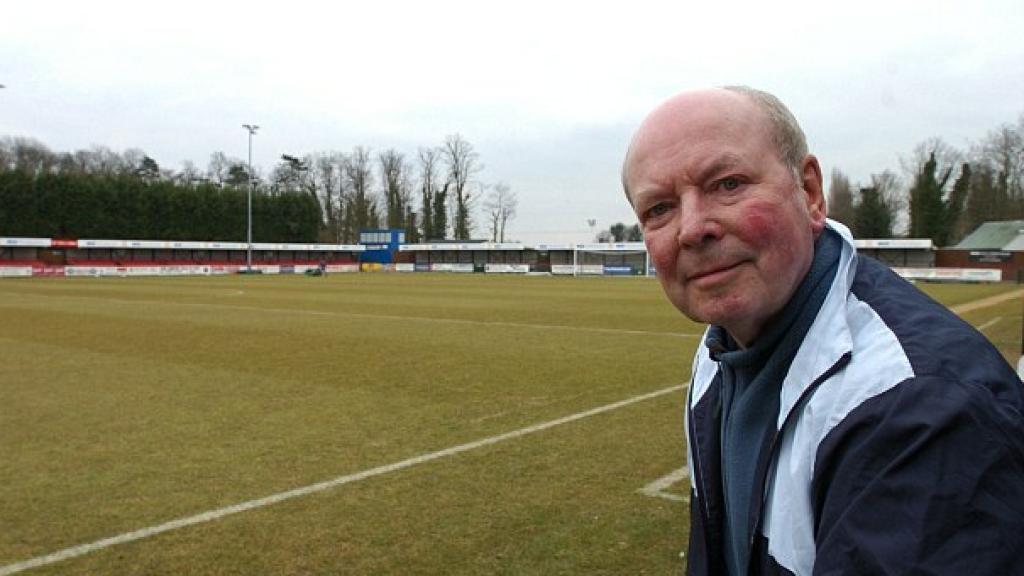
<point>452,321</point>
<point>224,294</point>
<point>395,317</point>
<point>212,515</point>
<point>989,324</point>
<point>659,487</point>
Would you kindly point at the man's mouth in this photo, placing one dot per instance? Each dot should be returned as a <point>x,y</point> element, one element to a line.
<point>712,273</point>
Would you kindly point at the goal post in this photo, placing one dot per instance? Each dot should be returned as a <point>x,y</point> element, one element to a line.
<point>611,259</point>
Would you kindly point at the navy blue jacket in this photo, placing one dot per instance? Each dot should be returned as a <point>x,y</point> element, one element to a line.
<point>899,446</point>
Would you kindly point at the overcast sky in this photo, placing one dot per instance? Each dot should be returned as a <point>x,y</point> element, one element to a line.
<point>548,92</point>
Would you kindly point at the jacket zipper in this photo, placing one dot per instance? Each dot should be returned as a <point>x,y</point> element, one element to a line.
<point>703,505</point>
<point>773,446</point>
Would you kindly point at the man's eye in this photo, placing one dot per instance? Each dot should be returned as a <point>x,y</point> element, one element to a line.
<point>656,210</point>
<point>729,184</point>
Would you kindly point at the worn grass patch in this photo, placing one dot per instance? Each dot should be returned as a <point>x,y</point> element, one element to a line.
<point>131,402</point>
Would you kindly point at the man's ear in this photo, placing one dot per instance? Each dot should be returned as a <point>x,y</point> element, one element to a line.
<point>814,193</point>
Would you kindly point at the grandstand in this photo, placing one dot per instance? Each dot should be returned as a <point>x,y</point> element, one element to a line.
<point>385,250</point>
<point>899,252</point>
<point>623,258</point>
<point>89,257</point>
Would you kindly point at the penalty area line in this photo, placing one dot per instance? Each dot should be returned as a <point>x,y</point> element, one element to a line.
<point>209,516</point>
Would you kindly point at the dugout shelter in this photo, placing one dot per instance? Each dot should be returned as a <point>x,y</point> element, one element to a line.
<point>494,257</point>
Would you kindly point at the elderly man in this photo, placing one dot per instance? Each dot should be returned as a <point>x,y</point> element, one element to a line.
<point>838,420</point>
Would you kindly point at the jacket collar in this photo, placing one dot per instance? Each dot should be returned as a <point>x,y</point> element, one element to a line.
<point>827,340</point>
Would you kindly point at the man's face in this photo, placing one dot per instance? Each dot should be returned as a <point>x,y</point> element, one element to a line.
<point>727,224</point>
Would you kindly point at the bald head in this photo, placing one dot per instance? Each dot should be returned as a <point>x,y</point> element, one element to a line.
<point>730,205</point>
<point>784,131</point>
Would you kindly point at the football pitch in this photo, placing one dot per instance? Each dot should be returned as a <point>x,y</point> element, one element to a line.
<point>353,424</point>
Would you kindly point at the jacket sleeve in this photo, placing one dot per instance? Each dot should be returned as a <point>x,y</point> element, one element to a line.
<point>927,478</point>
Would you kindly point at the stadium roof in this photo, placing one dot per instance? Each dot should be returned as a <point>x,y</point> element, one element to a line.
<point>1005,235</point>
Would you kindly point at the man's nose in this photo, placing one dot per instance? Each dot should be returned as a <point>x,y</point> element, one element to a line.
<point>698,224</point>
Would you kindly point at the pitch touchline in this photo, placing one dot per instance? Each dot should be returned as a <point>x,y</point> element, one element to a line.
<point>396,317</point>
<point>985,302</point>
<point>495,323</point>
<point>212,515</point>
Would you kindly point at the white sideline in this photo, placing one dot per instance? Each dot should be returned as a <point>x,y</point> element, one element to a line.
<point>211,515</point>
<point>392,317</point>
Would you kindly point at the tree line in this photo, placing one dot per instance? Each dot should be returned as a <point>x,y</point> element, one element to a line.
<point>325,197</point>
<point>946,194</point>
<point>116,206</point>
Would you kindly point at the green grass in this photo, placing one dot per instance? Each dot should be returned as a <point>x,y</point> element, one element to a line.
<point>127,403</point>
<point>1001,323</point>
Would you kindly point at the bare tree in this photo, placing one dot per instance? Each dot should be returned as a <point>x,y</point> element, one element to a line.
<point>132,160</point>
<point>985,200</point>
<point>327,174</point>
<point>1003,150</point>
<point>492,210</point>
<point>189,175</point>
<point>500,207</point>
<point>292,175</point>
<point>78,161</point>
<point>462,164</point>
<point>6,153</point>
<point>394,173</point>
<point>219,169</point>
<point>946,157</point>
<point>360,203</point>
<point>31,156</point>
<point>429,161</point>
<point>103,160</point>
<point>996,190</point>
